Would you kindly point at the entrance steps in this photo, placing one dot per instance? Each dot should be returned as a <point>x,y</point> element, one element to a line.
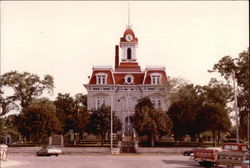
<point>128,144</point>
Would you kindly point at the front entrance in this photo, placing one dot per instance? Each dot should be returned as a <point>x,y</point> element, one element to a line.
<point>128,126</point>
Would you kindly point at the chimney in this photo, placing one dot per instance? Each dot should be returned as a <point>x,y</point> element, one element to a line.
<point>116,56</point>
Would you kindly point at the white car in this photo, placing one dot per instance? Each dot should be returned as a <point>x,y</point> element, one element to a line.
<point>245,164</point>
<point>48,151</point>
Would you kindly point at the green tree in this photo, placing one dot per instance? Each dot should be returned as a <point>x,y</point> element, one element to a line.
<point>38,120</point>
<point>183,111</point>
<point>26,86</point>
<point>81,100</point>
<point>215,118</point>
<point>216,95</point>
<point>72,112</point>
<point>65,111</point>
<point>150,121</point>
<point>100,121</point>
<point>2,132</point>
<point>8,126</point>
<point>240,65</point>
<point>196,108</point>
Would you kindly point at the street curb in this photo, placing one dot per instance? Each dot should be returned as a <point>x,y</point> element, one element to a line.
<point>98,151</point>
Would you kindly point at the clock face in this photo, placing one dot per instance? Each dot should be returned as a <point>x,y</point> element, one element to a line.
<point>129,37</point>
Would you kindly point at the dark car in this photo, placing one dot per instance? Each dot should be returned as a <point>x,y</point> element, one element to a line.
<point>48,151</point>
<point>188,152</point>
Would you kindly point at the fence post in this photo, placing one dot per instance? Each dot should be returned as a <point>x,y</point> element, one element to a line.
<point>3,152</point>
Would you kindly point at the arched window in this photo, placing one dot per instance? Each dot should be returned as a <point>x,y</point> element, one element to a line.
<point>128,53</point>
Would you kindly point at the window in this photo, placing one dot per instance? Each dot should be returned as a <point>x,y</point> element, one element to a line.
<point>99,102</point>
<point>129,79</point>
<point>101,78</point>
<point>157,103</point>
<point>155,78</point>
<point>231,147</point>
<point>128,53</point>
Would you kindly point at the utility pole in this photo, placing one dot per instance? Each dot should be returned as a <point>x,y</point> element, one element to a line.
<point>236,108</point>
<point>111,124</point>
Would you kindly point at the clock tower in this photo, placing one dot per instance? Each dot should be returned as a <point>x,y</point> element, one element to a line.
<point>128,44</point>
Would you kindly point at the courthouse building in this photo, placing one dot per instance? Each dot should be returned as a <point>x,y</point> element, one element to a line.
<point>121,86</point>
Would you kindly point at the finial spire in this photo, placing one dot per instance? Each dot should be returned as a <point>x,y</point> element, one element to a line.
<point>129,26</point>
<point>128,14</point>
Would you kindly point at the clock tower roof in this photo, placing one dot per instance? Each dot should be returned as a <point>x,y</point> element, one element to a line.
<point>128,31</point>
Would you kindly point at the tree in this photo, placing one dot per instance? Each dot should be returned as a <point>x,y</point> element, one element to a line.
<point>26,86</point>
<point>38,120</point>
<point>150,121</point>
<point>174,85</point>
<point>240,65</point>
<point>215,108</point>
<point>8,126</point>
<point>6,103</point>
<point>72,112</point>
<point>65,112</point>
<point>196,108</point>
<point>81,100</point>
<point>183,111</point>
<point>215,118</point>
<point>100,121</point>
<point>2,133</point>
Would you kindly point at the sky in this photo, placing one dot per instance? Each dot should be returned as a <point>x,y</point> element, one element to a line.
<point>67,38</point>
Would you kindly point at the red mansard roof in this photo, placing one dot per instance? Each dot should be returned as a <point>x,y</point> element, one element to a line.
<point>138,78</point>
<point>147,78</point>
<point>117,77</point>
<point>109,78</point>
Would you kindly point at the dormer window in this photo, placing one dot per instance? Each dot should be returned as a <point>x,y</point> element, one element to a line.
<point>155,78</point>
<point>101,78</point>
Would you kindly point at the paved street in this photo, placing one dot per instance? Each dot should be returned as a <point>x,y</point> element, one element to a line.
<point>105,161</point>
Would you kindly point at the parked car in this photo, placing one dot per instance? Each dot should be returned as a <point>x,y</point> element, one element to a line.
<point>48,151</point>
<point>245,164</point>
<point>189,152</point>
<point>206,156</point>
<point>231,154</point>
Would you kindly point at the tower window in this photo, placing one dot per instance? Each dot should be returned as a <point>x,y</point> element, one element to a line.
<point>129,53</point>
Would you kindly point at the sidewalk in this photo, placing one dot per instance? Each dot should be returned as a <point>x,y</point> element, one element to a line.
<point>9,163</point>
